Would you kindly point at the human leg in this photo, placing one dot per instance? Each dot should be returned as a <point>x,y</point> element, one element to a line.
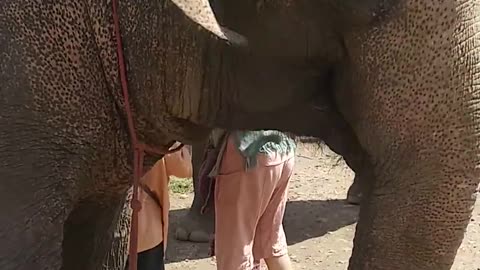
<point>270,241</point>
<point>151,259</point>
<point>236,216</point>
<point>240,199</point>
<point>279,263</point>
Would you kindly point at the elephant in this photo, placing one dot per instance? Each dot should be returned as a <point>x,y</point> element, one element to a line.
<point>402,75</point>
<point>391,85</point>
<point>65,158</point>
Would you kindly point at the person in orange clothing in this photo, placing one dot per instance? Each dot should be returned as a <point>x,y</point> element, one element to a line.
<point>153,216</point>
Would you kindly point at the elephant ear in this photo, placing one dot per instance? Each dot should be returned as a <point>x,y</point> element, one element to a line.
<point>201,12</point>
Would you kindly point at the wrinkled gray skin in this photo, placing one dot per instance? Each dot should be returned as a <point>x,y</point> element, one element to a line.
<point>403,76</point>
<point>391,85</point>
<point>65,151</point>
<point>195,226</point>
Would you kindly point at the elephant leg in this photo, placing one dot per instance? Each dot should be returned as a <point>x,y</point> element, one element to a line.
<point>117,256</point>
<point>195,226</point>
<point>31,225</point>
<point>36,194</point>
<point>415,112</point>
<point>343,141</point>
<point>89,231</point>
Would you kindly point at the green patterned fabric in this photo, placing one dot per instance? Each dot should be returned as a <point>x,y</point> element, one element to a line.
<point>251,143</point>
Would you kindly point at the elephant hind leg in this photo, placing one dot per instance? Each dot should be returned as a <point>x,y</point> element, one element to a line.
<point>117,255</point>
<point>31,242</point>
<point>36,194</point>
<point>421,135</point>
<point>195,226</point>
<point>89,231</point>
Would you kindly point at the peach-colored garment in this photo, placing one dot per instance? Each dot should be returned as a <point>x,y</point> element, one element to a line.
<point>153,219</point>
<point>249,208</point>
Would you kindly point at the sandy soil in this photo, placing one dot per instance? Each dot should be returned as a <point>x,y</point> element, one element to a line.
<point>319,224</point>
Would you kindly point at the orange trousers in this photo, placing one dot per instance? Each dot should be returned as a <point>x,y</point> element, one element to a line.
<point>249,209</point>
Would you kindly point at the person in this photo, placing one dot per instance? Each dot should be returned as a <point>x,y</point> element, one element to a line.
<point>153,216</point>
<point>252,174</point>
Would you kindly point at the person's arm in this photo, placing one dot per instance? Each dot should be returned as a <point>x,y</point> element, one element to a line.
<point>179,164</point>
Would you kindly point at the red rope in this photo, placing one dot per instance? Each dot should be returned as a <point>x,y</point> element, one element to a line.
<point>139,149</point>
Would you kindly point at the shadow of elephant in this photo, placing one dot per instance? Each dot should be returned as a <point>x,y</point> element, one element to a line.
<point>314,218</point>
<point>303,220</point>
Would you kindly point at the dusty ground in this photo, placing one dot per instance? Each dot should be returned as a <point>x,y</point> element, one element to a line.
<point>318,223</point>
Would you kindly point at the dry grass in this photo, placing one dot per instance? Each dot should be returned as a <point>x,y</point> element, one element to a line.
<point>181,185</point>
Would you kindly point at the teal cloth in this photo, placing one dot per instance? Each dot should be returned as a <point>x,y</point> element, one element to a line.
<point>252,143</point>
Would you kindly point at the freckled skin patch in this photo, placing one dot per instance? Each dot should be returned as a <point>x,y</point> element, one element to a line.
<point>200,12</point>
<point>407,85</point>
<point>419,98</point>
<point>68,159</point>
<point>65,147</point>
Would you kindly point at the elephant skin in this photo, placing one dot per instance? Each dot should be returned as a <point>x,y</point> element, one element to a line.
<point>391,85</point>
<point>196,226</point>
<point>403,78</point>
<point>65,151</point>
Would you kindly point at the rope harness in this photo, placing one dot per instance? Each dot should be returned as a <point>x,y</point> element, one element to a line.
<point>139,148</point>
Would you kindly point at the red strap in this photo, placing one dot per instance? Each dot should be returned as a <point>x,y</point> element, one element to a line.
<point>139,149</point>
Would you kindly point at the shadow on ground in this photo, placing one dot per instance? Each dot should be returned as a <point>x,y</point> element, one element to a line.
<point>314,218</point>
<point>303,220</point>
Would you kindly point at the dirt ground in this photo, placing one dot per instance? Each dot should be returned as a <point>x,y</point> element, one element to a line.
<point>318,223</point>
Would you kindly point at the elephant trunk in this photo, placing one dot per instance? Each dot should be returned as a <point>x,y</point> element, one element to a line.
<point>414,109</point>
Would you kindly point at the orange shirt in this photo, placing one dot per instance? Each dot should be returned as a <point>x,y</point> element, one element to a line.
<point>152,219</point>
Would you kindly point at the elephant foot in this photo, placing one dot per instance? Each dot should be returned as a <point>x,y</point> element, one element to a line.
<point>196,236</point>
<point>196,228</point>
<point>354,194</point>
